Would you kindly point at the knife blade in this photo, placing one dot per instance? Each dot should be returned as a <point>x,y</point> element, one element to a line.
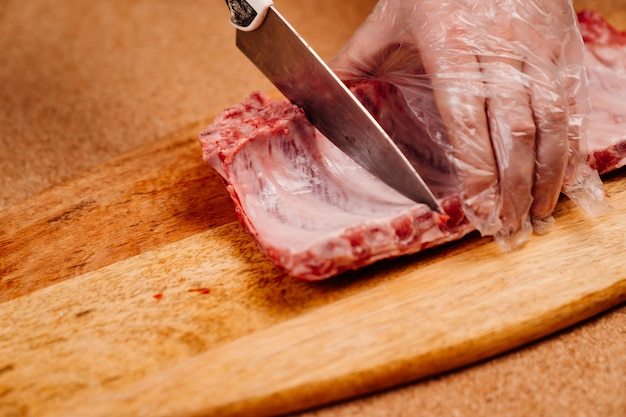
<point>298,72</point>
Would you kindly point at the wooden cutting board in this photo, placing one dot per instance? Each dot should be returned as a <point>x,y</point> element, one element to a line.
<point>132,290</point>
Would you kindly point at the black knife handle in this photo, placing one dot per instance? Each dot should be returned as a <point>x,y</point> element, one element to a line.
<point>247,15</point>
<point>241,13</point>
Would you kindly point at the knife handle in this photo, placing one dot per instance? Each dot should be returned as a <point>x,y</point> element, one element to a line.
<point>247,15</point>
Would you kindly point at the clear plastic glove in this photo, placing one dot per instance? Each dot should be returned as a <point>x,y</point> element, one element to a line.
<point>510,95</point>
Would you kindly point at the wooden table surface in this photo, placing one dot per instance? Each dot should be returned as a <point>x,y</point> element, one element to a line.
<point>85,82</point>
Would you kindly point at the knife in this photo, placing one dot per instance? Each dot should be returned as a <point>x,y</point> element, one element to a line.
<point>273,45</point>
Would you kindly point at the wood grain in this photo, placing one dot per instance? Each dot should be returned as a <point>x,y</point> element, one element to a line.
<point>113,348</point>
<point>145,199</point>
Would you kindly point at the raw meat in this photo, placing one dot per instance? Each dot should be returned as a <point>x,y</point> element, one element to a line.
<point>312,210</point>
<point>605,60</point>
<point>315,213</point>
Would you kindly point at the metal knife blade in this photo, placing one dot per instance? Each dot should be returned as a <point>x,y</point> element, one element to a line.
<point>303,77</point>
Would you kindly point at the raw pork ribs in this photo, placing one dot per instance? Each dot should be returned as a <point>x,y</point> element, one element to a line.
<point>316,213</point>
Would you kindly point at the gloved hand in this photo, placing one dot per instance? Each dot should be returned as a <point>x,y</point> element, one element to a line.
<point>511,99</point>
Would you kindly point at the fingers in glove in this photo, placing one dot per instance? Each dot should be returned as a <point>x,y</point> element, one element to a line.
<point>512,131</point>
<point>578,103</point>
<point>549,102</point>
<point>459,93</point>
<point>446,47</point>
